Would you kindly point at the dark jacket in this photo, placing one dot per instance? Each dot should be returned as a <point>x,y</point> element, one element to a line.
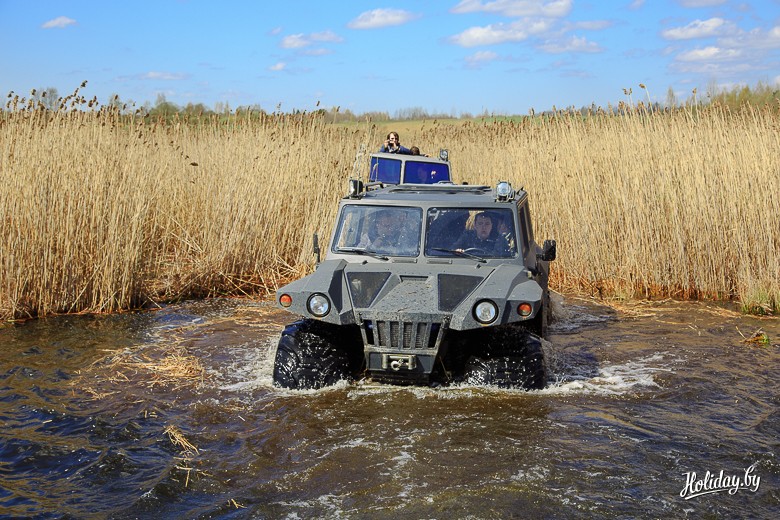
<point>493,244</point>
<point>400,149</point>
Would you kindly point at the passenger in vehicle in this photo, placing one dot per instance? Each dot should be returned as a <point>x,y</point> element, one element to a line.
<point>392,144</point>
<point>505,230</point>
<point>483,238</point>
<point>420,176</point>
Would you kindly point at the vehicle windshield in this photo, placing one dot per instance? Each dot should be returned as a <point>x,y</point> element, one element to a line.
<point>384,230</point>
<point>475,232</point>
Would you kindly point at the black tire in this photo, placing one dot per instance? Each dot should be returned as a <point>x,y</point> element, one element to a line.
<point>306,359</point>
<point>522,370</point>
<point>539,324</point>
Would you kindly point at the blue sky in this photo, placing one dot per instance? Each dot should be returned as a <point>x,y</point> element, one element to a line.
<point>454,56</point>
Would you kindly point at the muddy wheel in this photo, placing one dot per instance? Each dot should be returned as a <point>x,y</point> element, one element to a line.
<point>522,370</point>
<point>306,358</point>
<point>540,322</point>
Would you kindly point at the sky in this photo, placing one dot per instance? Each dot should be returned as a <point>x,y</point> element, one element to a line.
<point>445,56</point>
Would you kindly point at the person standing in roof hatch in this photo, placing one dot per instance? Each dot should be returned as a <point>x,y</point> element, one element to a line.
<point>392,144</point>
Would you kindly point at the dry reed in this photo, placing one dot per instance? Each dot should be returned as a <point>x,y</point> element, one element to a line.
<point>101,211</point>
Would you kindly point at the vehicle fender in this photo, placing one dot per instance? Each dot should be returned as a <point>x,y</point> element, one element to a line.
<point>329,280</point>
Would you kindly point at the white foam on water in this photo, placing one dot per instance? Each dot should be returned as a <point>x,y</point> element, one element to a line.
<point>252,370</point>
<point>618,379</point>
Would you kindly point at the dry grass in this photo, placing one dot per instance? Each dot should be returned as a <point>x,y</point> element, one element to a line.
<point>103,212</point>
<point>166,366</point>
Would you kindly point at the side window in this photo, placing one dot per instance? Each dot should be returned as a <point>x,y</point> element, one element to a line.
<point>525,228</point>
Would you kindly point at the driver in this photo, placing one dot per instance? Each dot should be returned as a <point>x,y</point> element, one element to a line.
<point>388,234</point>
<point>483,237</point>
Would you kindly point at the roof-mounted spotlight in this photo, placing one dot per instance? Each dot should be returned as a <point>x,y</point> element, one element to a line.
<point>504,191</point>
<point>444,154</point>
<point>355,188</point>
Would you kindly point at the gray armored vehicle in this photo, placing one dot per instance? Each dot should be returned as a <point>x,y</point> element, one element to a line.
<point>425,282</point>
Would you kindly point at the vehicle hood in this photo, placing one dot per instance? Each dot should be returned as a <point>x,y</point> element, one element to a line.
<point>412,292</point>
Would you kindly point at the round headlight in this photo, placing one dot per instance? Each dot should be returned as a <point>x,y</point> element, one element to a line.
<point>318,304</point>
<point>485,311</point>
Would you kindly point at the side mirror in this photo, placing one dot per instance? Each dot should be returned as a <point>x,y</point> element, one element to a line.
<point>548,251</point>
<point>317,247</point>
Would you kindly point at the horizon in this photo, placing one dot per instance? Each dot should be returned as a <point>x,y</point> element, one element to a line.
<point>469,57</point>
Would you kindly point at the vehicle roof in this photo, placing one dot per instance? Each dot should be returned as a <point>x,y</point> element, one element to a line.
<point>409,157</point>
<point>433,194</point>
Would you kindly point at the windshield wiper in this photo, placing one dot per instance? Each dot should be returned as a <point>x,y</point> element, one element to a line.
<point>460,253</point>
<point>361,251</point>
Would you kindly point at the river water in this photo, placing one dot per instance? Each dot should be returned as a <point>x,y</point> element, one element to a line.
<point>171,414</point>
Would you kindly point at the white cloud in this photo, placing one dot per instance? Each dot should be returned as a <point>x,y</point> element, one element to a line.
<point>381,18</point>
<point>710,53</point>
<point>278,66</point>
<point>777,81</point>
<point>516,8</point>
<point>326,36</point>
<point>479,58</point>
<point>499,33</point>
<point>755,39</point>
<point>701,3</point>
<point>573,44</point>
<point>299,41</point>
<point>165,76</point>
<point>59,23</point>
<point>593,25</point>
<point>294,41</point>
<point>698,29</point>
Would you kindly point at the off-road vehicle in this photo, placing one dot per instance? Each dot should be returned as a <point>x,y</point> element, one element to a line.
<point>424,282</point>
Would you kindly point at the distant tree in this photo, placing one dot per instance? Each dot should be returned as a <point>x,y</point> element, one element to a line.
<point>48,97</point>
<point>671,99</point>
<point>712,89</point>
<point>163,107</point>
<point>197,109</point>
<point>115,102</point>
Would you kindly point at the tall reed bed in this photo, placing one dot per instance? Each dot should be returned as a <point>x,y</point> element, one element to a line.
<point>683,204</point>
<point>102,212</point>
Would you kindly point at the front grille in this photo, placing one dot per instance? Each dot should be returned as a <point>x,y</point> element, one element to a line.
<point>400,335</point>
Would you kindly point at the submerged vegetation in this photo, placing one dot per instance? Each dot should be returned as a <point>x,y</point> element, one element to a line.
<point>101,210</point>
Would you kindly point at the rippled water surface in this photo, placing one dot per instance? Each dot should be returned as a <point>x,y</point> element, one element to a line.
<point>171,414</point>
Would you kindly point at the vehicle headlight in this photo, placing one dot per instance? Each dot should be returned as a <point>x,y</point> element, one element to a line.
<point>485,312</point>
<point>318,305</point>
<point>504,191</point>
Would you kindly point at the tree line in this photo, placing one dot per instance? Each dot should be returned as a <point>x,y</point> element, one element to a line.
<point>734,97</point>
